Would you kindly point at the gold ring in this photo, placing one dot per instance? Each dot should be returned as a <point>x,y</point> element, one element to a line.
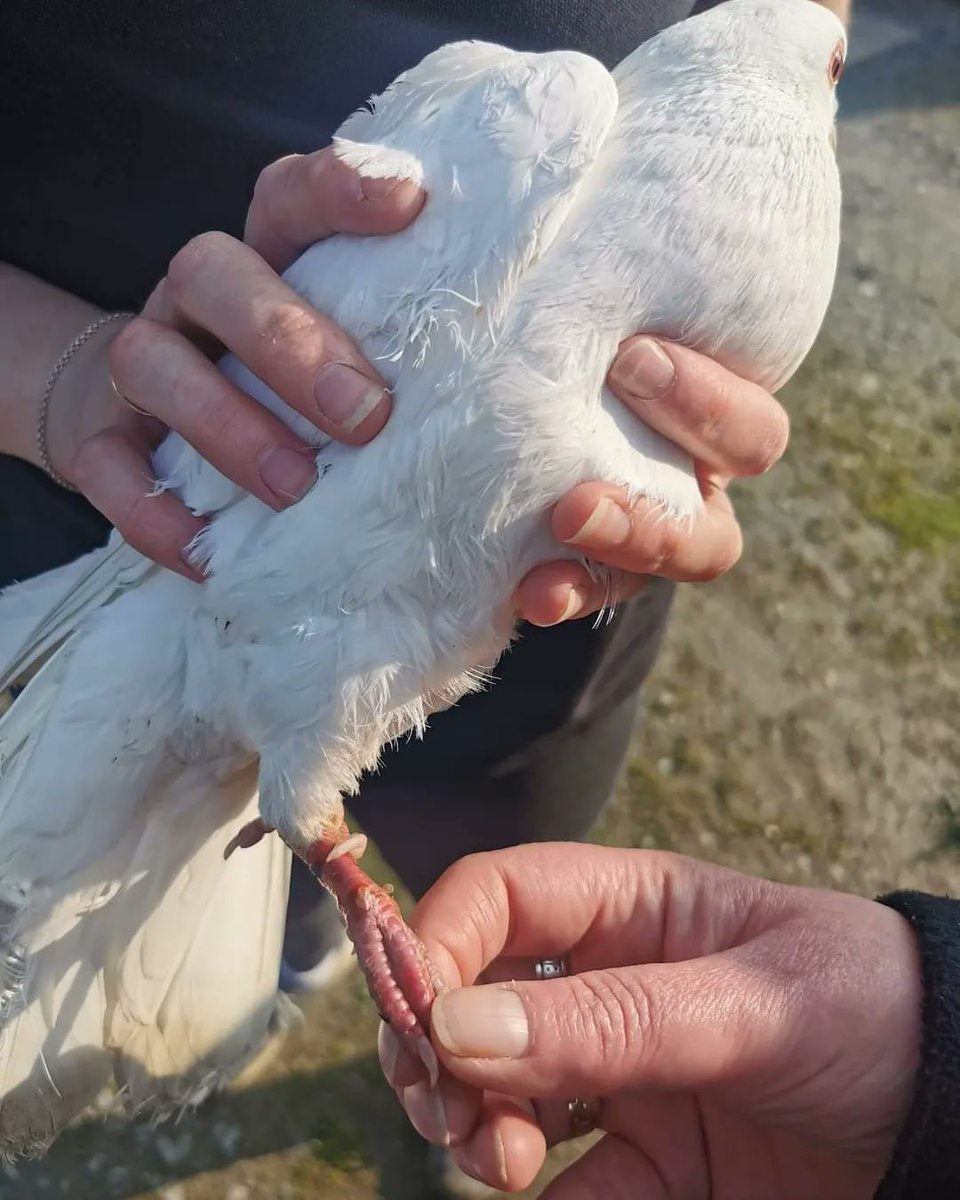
<point>121,395</point>
<point>584,1115</point>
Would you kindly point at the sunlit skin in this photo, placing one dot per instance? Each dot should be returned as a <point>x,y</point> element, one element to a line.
<point>729,1027</point>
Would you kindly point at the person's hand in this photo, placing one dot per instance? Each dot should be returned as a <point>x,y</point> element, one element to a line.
<point>221,293</point>
<point>745,1040</point>
<point>730,428</point>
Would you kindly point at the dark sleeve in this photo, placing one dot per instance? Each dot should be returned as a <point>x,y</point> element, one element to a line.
<point>926,1158</point>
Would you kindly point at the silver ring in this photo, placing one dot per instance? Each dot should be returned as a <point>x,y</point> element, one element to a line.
<point>584,1114</point>
<point>550,968</point>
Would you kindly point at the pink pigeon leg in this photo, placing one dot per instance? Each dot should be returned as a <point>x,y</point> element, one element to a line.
<point>400,977</point>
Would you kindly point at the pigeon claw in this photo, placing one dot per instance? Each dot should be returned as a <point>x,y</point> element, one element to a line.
<point>250,835</point>
<point>400,978</point>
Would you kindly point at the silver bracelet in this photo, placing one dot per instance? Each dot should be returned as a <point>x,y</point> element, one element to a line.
<point>59,366</point>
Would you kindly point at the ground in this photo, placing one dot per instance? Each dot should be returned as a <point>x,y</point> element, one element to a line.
<point>802,719</point>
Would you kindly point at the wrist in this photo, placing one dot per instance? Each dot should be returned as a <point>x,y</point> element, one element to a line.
<point>37,322</point>
<point>77,397</point>
<point>926,1158</point>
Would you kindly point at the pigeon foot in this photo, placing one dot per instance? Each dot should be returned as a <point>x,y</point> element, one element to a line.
<point>399,975</point>
<point>400,978</point>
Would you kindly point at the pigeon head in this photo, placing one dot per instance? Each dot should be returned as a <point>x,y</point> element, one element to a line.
<point>782,56</point>
<point>795,43</point>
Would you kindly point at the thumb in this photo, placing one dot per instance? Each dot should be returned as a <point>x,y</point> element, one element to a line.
<point>678,1025</point>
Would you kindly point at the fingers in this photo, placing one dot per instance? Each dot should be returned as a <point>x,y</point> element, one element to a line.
<point>219,292</point>
<point>731,426</point>
<point>159,370</point>
<point>594,905</point>
<point>687,1025</point>
<point>115,474</point>
<point>496,1139</point>
<point>507,1148</point>
<point>219,285</point>
<point>565,591</point>
<point>445,1116</point>
<point>612,1169</point>
<point>304,198</point>
<point>597,519</point>
<point>596,1030</point>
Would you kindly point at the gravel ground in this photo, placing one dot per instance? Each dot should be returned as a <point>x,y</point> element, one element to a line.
<point>802,718</point>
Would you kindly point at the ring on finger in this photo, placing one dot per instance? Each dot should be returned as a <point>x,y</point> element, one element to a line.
<point>584,1115</point>
<point>122,395</point>
<point>550,968</point>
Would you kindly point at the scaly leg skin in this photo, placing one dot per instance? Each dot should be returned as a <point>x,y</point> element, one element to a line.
<point>400,978</point>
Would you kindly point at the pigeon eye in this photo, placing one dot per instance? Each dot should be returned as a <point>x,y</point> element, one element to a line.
<point>835,70</point>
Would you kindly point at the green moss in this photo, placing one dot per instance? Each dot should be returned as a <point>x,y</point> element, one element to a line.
<point>340,1147</point>
<point>899,474</point>
<point>919,519</point>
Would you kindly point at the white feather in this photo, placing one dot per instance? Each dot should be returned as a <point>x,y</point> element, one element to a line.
<point>155,967</point>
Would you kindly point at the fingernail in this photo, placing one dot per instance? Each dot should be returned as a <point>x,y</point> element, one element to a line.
<point>345,397</point>
<point>195,573</point>
<point>482,1022</point>
<point>644,371</point>
<point>465,1160</point>
<point>288,473</point>
<point>425,1109</point>
<point>389,1048</point>
<point>500,1154</point>
<point>575,603</point>
<point>608,525</point>
<point>378,189</point>
<point>191,557</point>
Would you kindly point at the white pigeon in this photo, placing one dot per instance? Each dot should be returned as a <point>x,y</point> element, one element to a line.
<point>694,192</point>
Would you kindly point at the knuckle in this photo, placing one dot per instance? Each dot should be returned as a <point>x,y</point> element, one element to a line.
<point>471,865</point>
<point>289,322</point>
<point>774,445</point>
<point>726,556</point>
<point>477,876</point>
<point>715,414</point>
<point>666,543</point>
<point>138,523</point>
<point>320,166</point>
<point>270,177</point>
<point>734,550</point>
<point>197,256</point>
<point>84,466</point>
<point>128,346</point>
<point>614,1017</point>
<point>271,186</point>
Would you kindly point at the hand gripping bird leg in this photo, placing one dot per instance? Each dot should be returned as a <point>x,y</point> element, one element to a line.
<point>400,978</point>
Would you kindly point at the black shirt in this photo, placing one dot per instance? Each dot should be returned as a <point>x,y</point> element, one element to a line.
<point>130,127</point>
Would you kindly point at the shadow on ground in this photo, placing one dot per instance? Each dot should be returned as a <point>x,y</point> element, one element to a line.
<point>332,1127</point>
